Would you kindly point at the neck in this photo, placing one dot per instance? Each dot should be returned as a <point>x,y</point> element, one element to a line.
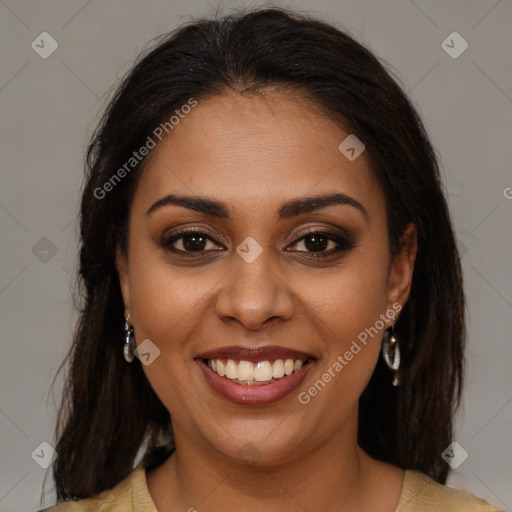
<point>331,475</point>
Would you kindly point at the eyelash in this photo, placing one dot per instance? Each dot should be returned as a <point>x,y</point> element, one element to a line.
<point>345,243</point>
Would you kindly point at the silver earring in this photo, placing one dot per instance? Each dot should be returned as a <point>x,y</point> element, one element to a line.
<point>391,352</point>
<point>129,343</point>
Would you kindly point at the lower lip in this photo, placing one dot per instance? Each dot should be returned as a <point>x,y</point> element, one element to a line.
<point>256,394</point>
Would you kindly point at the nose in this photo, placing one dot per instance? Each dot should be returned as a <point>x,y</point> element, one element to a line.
<point>254,293</point>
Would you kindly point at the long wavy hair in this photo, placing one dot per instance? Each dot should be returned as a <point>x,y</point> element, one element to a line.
<point>110,417</point>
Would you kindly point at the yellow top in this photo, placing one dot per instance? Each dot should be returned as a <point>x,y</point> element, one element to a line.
<point>419,494</point>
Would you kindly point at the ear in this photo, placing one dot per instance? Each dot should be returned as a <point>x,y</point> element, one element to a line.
<point>402,267</point>
<point>122,272</point>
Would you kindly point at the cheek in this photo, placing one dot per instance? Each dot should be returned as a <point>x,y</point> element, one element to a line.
<point>346,307</point>
<point>163,297</point>
<point>349,300</point>
<point>351,348</point>
<point>165,301</point>
<point>167,306</point>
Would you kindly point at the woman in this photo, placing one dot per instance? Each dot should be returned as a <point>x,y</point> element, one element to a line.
<point>264,222</point>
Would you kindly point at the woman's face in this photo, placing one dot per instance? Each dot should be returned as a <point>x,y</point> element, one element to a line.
<point>256,283</point>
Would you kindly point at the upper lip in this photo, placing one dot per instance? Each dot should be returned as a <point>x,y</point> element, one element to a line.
<point>248,353</point>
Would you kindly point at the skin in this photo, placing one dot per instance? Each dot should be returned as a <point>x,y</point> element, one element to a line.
<point>254,153</point>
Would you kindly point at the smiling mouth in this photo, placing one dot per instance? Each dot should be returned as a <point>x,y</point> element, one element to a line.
<point>254,373</point>
<point>254,376</point>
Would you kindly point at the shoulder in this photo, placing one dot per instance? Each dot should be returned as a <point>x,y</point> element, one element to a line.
<point>130,495</point>
<point>421,493</point>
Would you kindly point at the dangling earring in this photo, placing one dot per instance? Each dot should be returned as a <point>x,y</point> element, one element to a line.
<point>129,343</point>
<point>391,352</point>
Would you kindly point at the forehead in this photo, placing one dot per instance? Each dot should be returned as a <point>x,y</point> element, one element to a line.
<point>251,151</point>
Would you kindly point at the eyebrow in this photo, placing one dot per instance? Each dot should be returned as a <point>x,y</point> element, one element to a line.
<point>289,209</point>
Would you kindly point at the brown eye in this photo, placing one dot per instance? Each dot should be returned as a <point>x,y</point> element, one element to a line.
<point>188,242</point>
<point>320,243</point>
<point>316,242</point>
<point>194,242</point>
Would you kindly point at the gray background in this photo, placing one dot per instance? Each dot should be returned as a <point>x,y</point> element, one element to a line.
<point>49,107</point>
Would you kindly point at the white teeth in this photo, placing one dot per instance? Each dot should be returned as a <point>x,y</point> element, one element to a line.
<point>278,369</point>
<point>297,365</point>
<point>247,372</point>
<point>263,371</point>
<point>231,369</point>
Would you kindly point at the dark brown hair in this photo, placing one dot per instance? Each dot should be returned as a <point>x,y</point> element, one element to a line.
<point>109,411</point>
